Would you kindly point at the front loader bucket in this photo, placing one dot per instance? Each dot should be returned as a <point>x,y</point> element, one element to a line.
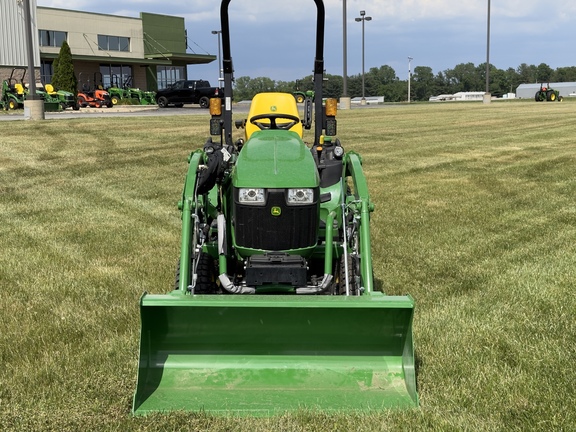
<point>261,355</point>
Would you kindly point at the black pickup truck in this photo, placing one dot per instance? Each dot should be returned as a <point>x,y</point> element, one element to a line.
<point>188,92</point>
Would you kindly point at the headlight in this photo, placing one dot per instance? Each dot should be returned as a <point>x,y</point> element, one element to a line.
<point>251,196</point>
<point>300,196</point>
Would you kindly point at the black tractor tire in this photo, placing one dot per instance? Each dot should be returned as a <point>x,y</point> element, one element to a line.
<point>206,282</point>
<point>560,98</point>
<point>299,98</point>
<point>539,97</point>
<point>551,96</point>
<point>204,102</point>
<point>82,102</point>
<point>115,100</point>
<point>163,102</point>
<point>12,104</point>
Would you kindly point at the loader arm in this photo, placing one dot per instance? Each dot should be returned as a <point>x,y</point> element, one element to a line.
<point>362,205</point>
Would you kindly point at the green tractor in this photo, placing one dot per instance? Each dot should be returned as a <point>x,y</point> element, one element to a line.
<point>302,95</point>
<point>547,94</point>
<point>63,97</point>
<point>126,91</point>
<point>117,92</point>
<point>274,306</point>
<point>143,97</point>
<point>13,91</point>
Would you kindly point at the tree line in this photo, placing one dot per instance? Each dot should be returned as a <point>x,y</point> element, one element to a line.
<point>383,81</point>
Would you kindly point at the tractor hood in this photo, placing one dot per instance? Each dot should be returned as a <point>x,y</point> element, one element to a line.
<point>275,159</point>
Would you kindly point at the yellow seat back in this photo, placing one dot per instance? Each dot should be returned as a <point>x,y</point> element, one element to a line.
<point>49,88</point>
<point>19,89</point>
<point>273,103</point>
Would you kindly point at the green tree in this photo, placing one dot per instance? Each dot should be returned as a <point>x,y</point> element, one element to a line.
<point>332,86</point>
<point>241,88</point>
<point>544,73</point>
<point>423,85</point>
<point>64,77</point>
<point>527,73</point>
<point>564,74</point>
<point>464,77</point>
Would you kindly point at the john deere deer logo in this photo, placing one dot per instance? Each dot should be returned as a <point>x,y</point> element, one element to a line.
<point>276,211</point>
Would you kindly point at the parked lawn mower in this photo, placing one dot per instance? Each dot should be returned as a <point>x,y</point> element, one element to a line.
<point>117,93</point>
<point>143,97</point>
<point>13,91</point>
<point>65,98</point>
<point>547,94</point>
<point>274,306</point>
<point>93,96</point>
<point>126,91</point>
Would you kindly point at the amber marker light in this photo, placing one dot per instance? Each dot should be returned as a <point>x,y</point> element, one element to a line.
<point>331,107</point>
<point>215,106</point>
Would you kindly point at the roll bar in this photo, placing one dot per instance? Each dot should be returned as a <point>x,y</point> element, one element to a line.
<point>229,70</point>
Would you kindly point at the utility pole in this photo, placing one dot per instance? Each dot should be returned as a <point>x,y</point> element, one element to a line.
<point>487,95</point>
<point>34,104</point>
<point>409,75</point>
<point>344,52</point>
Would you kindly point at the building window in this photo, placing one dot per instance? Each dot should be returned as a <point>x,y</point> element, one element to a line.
<point>169,75</point>
<point>116,75</point>
<point>46,72</point>
<point>113,43</point>
<point>51,38</point>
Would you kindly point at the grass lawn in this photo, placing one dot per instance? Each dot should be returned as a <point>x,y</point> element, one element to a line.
<point>475,218</point>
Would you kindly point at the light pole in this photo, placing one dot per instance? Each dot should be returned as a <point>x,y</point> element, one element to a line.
<point>345,99</point>
<point>409,75</point>
<point>33,105</point>
<point>344,53</point>
<point>362,19</point>
<point>487,95</point>
<point>220,79</point>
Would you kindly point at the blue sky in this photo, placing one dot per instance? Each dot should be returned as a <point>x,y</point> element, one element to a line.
<point>275,38</point>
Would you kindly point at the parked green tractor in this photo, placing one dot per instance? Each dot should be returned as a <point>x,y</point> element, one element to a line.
<point>64,98</point>
<point>135,96</point>
<point>274,307</point>
<point>547,94</point>
<point>13,92</point>
<point>143,97</point>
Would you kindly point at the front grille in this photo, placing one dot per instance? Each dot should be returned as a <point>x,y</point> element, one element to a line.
<point>255,226</point>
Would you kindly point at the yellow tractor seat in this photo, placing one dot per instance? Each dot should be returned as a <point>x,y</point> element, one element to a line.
<point>49,89</point>
<point>272,103</point>
<point>19,88</point>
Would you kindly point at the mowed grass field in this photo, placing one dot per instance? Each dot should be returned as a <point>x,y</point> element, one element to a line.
<point>475,218</point>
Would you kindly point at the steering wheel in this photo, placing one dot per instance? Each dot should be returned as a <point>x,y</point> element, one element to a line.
<point>273,117</point>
